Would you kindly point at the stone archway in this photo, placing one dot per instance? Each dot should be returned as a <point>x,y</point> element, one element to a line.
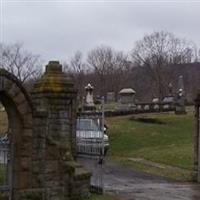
<point>19,110</point>
<point>42,137</point>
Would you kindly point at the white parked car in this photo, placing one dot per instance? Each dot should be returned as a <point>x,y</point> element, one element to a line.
<point>90,139</point>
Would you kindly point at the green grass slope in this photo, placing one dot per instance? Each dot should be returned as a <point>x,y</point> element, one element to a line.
<point>170,143</point>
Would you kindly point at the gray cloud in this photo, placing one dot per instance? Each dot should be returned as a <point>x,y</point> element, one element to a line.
<point>56,29</point>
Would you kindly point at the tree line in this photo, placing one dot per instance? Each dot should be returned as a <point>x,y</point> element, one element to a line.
<point>149,67</point>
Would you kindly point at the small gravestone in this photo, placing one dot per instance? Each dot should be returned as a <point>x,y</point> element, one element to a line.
<point>146,107</point>
<point>155,100</point>
<point>139,107</point>
<point>110,97</point>
<point>169,98</point>
<point>166,107</point>
<point>156,107</point>
<point>126,100</point>
<point>170,90</point>
<point>180,97</point>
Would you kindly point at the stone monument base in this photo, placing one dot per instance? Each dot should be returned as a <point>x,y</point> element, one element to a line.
<point>180,111</point>
<point>125,107</point>
<point>89,108</point>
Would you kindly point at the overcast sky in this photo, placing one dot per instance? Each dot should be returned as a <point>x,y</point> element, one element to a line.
<point>56,29</point>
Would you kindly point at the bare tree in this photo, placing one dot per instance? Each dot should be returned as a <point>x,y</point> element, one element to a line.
<point>100,60</point>
<point>119,74</point>
<point>159,49</point>
<point>78,68</point>
<point>20,62</point>
<point>198,56</point>
<point>108,65</point>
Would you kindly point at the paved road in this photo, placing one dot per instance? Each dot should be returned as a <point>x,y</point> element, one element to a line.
<point>131,184</point>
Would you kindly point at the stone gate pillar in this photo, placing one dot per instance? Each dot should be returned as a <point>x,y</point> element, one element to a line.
<point>55,174</point>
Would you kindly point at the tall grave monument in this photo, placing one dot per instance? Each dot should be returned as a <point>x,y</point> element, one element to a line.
<point>89,99</point>
<point>180,97</point>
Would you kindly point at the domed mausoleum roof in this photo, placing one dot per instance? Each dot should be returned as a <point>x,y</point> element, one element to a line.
<point>127,91</point>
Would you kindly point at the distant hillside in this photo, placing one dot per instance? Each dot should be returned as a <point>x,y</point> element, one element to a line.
<point>143,83</point>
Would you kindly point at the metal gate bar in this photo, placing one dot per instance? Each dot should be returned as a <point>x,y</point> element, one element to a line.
<point>4,166</point>
<point>90,145</point>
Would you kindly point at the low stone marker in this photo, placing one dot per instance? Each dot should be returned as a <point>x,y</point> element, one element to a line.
<point>110,97</point>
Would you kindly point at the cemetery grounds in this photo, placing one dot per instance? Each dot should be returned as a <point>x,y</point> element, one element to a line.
<point>162,146</point>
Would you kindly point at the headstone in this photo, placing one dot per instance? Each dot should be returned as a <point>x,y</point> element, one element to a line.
<point>156,107</point>
<point>110,97</point>
<point>180,82</point>
<point>166,107</point>
<point>169,98</point>
<point>126,100</point>
<point>180,97</point>
<point>170,90</point>
<point>155,100</point>
<point>146,107</point>
<point>139,107</point>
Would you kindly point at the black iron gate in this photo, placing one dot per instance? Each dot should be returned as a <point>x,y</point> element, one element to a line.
<point>92,143</point>
<point>5,168</point>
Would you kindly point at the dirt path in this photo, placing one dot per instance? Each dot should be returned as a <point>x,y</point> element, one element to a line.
<point>131,184</point>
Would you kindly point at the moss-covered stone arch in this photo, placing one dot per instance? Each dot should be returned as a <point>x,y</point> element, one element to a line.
<point>19,108</point>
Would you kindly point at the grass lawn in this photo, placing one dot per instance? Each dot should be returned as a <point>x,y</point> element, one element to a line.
<point>110,106</point>
<point>2,173</point>
<point>103,197</point>
<point>170,143</point>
